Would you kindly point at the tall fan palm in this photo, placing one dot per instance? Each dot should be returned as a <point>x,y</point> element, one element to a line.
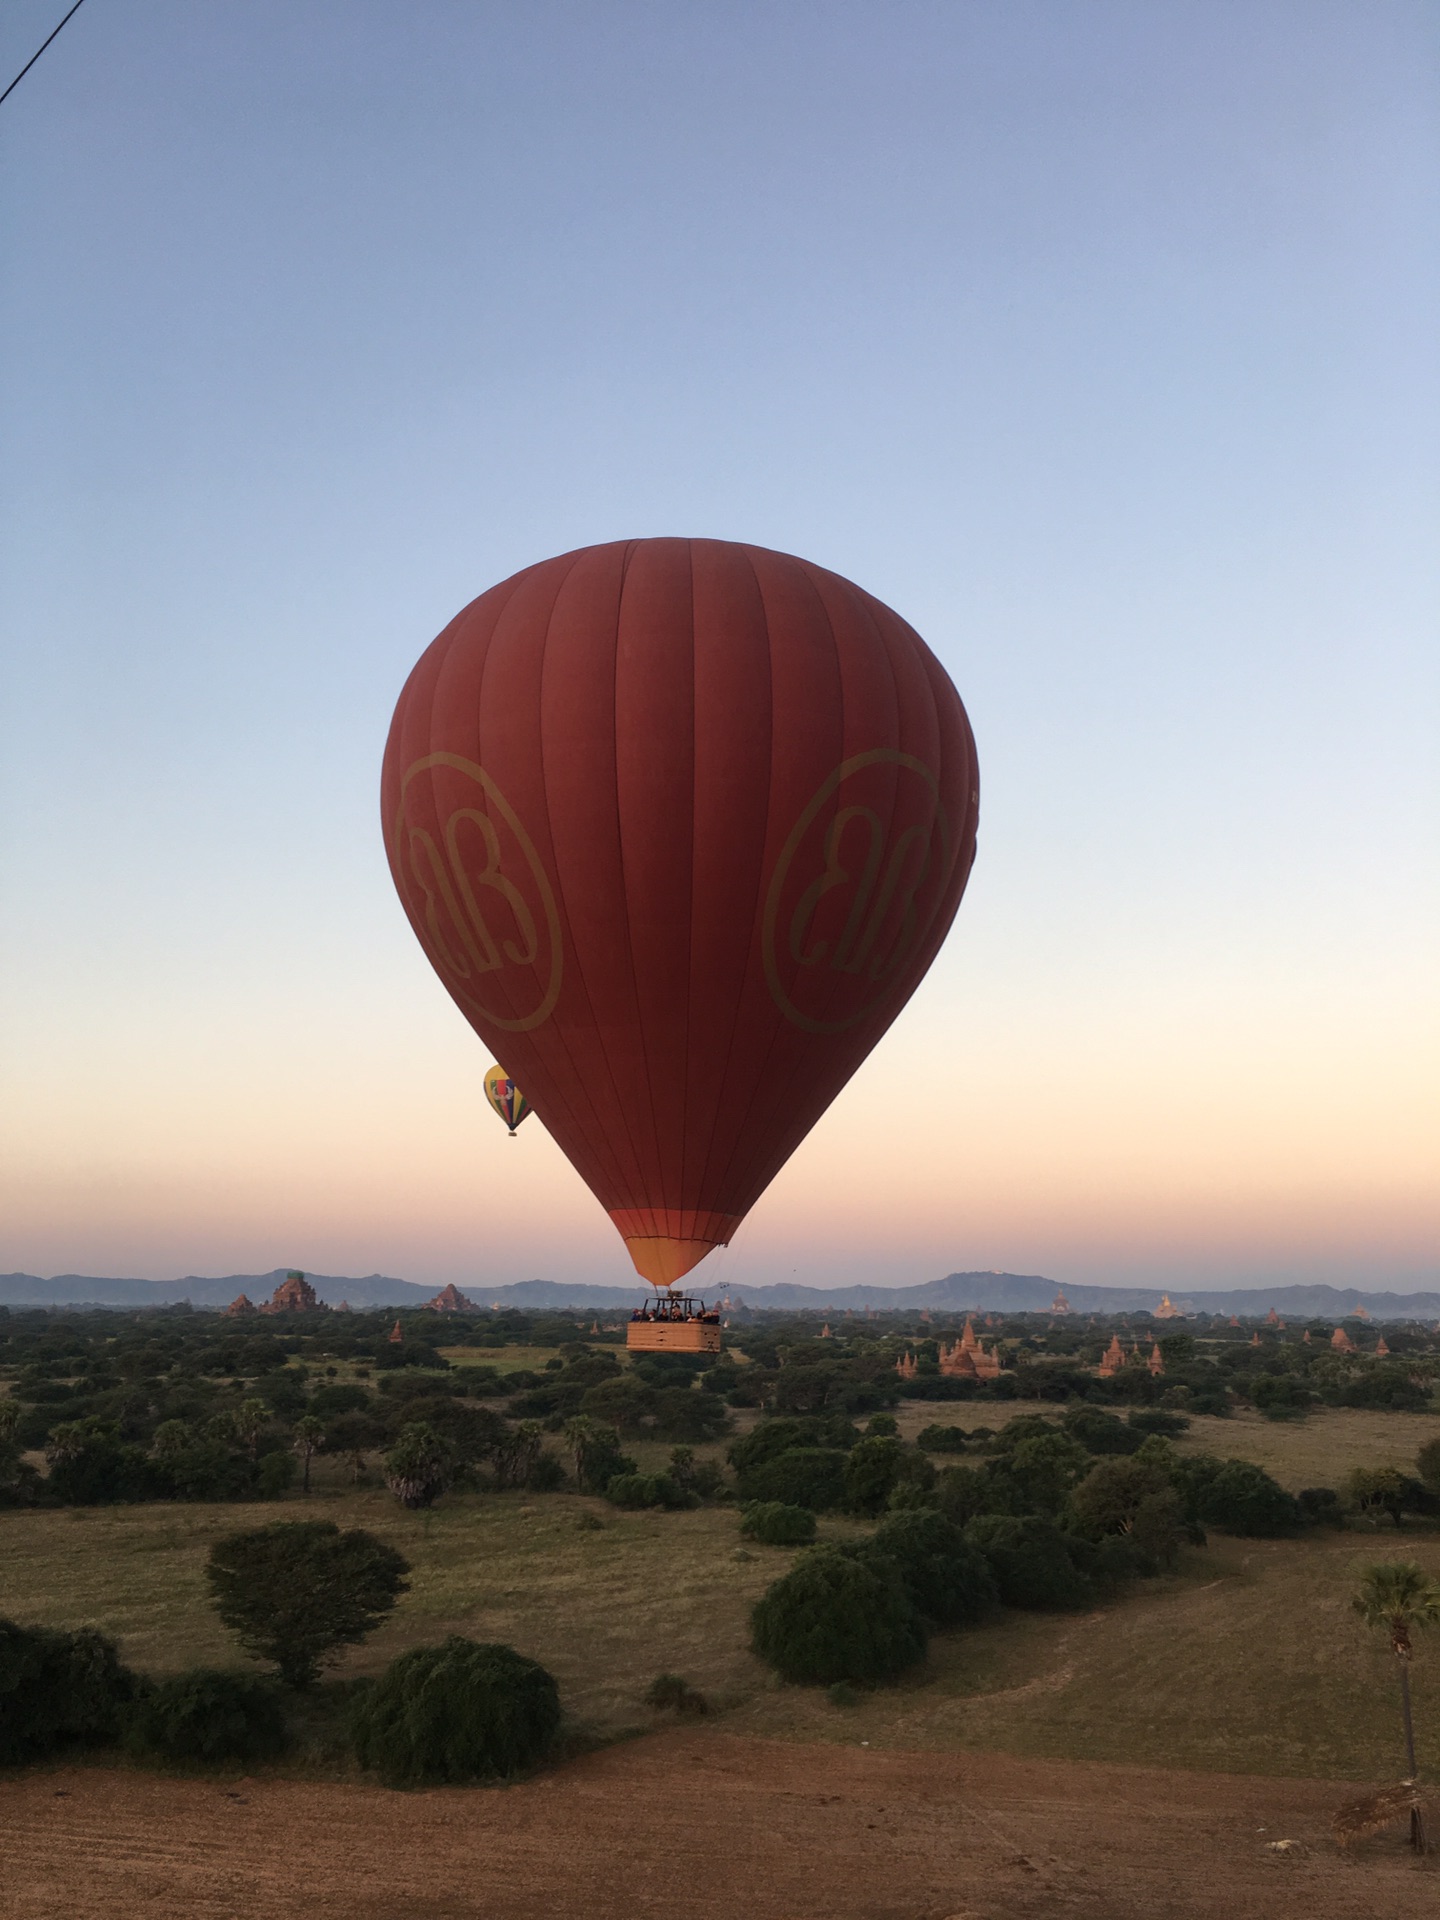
<point>1399,1596</point>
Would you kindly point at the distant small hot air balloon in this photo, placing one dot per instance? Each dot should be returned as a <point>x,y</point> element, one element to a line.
<point>680,824</point>
<point>506,1098</point>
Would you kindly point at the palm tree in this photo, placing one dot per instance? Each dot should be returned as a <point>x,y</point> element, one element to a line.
<point>1398,1595</point>
<point>309,1435</point>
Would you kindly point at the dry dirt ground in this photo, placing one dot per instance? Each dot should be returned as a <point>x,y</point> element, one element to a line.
<point>707,1824</point>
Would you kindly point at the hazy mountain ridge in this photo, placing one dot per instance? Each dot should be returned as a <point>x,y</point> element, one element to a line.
<point>1003,1292</point>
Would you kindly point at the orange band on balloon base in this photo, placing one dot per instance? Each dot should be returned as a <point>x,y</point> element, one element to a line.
<point>666,1242</point>
<point>664,1260</point>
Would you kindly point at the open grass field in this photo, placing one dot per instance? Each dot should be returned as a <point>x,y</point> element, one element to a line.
<point>1248,1660</point>
<point>503,1359</point>
<point>1315,1452</point>
<point>1136,1762</point>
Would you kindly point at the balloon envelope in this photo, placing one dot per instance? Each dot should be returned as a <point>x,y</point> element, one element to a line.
<point>505,1097</point>
<point>680,824</point>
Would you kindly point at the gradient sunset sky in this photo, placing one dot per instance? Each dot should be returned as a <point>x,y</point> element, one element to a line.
<point>1097,339</point>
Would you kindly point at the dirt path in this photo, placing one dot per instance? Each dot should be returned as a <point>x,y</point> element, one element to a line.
<point>766,1830</point>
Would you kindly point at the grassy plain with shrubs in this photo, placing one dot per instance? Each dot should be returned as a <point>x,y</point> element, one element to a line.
<point>979,1568</point>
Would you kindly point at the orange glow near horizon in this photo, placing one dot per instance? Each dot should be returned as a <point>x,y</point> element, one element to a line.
<point>1186,1153</point>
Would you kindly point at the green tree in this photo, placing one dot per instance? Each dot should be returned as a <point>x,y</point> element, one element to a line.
<point>1427,1462</point>
<point>354,1433</point>
<point>1281,1396</point>
<point>17,1479</point>
<point>207,1715</point>
<point>309,1436</point>
<point>623,1403</point>
<point>298,1590</point>
<point>514,1455</point>
<point>1030,1561</point>
<point>464,1710</point>
<point>417,1467</point>
<point>250,1419</point>
<point>948,1579</point>
<point>836,1616</point>
<point>57,1690</point>
<point>1372,1490</point>
<point>877,1465</point>
<point>1043,1468</point>
<point>1101,1432</point>
<point>1133,1498</point>
<point>774,1524</point>
<point>1399,1596</point>
<point>594,1453</point>
<point>811,1477</point>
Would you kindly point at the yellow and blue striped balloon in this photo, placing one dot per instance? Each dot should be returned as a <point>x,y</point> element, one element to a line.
<point>506,1098</point>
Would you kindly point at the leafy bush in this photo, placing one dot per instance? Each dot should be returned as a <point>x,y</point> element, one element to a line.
<point>1237,1497</point>
<point>1110,1561</point>
<point>1136,1500</point>
<point>58,1690</point>
<point>1427,1465</point>
<point>948,1386</point>
<point>683,1413</point>
<point>838,1616</point>
<point>963,1493</point>
<point>297,1591</point>
<point>948,1579</point>
<point>595,1454</point>
<point>1037,1474</point>
<point>1320,1507</point>
<point>1148,1420</point>
<point>90,1466</point>
<point>774,1437</point>
<point>1031,1562</point>
<point>1281,1396</point>
<point>1101,1432</point>
<point>274,1475</point>
<point>546,1476</point>
<point>876,1466</point>
<point>938,1439</point>
<point>464,1710</point>
<point>800,1477</point>
<point>625,1403</point>
<point>1387,1389</point>
<point>648,1490</point>
<point>208,1715</point>
<point>327,1403</point>
<point>774,1524</point>
<point>667,1692</point>
<point>704,1478</point>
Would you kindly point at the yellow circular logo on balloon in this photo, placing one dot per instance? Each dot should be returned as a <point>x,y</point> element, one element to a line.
<point>478,895</point>
<point>855,890</point>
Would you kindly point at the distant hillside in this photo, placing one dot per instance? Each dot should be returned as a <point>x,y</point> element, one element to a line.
<point>78,1289</point>
<point>1033,1293</point>
<point>995,1292</point>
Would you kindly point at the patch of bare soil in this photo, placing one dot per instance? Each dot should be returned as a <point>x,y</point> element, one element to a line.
<point>698,1822</point>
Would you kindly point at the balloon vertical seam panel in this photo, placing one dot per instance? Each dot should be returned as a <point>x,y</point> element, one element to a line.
<point>589,859</point>
<point>681,825</point>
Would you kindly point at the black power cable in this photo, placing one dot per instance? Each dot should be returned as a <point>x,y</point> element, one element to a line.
<point>37,53</point>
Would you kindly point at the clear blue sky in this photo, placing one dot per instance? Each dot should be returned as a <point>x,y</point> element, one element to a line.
<point>1098,339</point>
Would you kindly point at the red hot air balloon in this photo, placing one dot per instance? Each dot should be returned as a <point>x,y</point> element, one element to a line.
<point>681,825</point>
